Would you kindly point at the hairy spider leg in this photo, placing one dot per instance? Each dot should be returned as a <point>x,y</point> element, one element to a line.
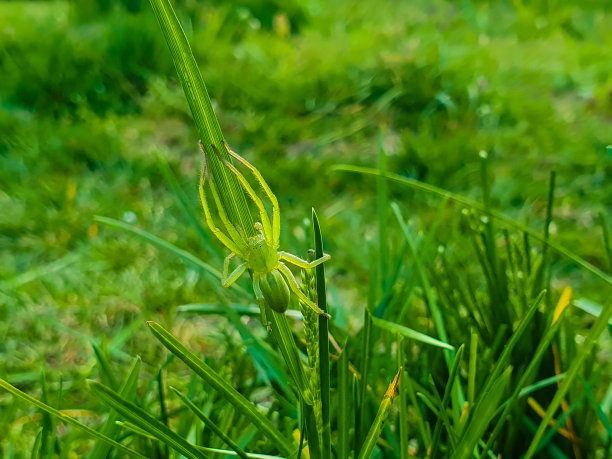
<point>226,241</point>
<point>260,300</point>
<point>239,240</point>
<point>265,220</point>
<point>271,196</point>
<point>282,267</point>
<point>300,262</point>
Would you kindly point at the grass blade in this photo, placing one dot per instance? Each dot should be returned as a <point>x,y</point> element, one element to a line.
<point>203,113</point>
<point>596,330</point>
<point>67,419</point>
<point>323,339</point>
<point>410,333</point>
<point>344,401</point>
<point>110,428</point>
<point>443,418</point>
<point>379,421</point>
<point>242,405</point>
<point>482,416</point>
<point>211,425</point>
<point>145,421</point>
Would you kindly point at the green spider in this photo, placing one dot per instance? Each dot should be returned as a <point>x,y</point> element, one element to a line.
<point>272,279</point>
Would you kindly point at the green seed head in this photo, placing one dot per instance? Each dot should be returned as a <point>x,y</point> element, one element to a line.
<point>275,290</point>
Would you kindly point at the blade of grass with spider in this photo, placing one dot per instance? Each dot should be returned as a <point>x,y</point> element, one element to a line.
<point>217,382</point>
<point>67,419</point>
<point>478,207</point>
<point>191,79</point>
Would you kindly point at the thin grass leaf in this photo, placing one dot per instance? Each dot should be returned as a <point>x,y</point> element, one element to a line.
<point>231,192</point>
<point>242,405</point>
<point>593,336</point>
<point>281,331</point>
<point>472,369</point>
<point>360,412</point>
<point>443,417</point>
<point>518,388</point>
<point>323,339</point>
<point>410,333</point>
<point>379,421</point>
<point>145,421</point>
<point>211,425</point>
<point>482,416</point>
<point>67,419</point>
<point>478,207</point>
<point>233,453</point>
<point>344,400</point>
<point>158,242</point>
<point>185,205</point>
<point>403,402</point>
<point>110,428</point>
<point>436,314</point>
<point>504,358</point>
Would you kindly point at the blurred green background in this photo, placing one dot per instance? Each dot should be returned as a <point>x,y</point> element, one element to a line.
<point>90,99</point>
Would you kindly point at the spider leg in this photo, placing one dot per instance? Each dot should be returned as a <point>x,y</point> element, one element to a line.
<point>296,289</point>
<point>300,262</point>
<point>261,301</point>
<point>226,241</point>
<point>271,196</point>
<point>265,220</point>
<point>234,235</point>
<point>228,279</point>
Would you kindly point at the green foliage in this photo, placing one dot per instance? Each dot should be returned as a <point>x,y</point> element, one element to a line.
<point>442,251</point>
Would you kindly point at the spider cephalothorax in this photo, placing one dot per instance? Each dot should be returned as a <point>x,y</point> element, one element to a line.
<point>272,279</point>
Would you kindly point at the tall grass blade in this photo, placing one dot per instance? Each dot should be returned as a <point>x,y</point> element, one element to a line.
<point>187,209</point>
<point>481,417</point>
<point>478,207</point>
<point>145,421</point>
<point>443,418</point>
<point>217,382</point>
<point>211,425</point>
<point>344,403</point>
<point>67,419</point>
<point>110,428</point>
<point>281,331</point>
<point>323,340</point>
<point>203,113</point>
<point>593,336</point>
<point>410,333</point>
<point>379,421</point>
<point>403,402</point>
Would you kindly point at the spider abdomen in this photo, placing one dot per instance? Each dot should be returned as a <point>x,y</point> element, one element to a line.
<point>275,290</point>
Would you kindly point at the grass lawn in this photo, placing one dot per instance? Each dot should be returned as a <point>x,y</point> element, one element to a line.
<point>504,109</point>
